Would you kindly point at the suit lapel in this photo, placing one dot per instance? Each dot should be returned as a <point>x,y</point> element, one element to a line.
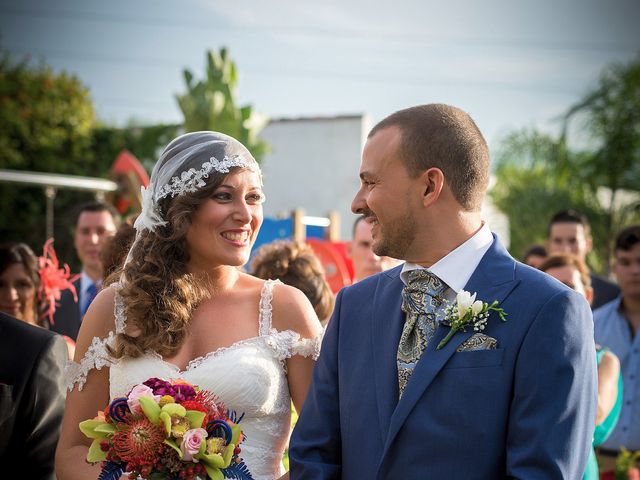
<point>386,325</point>
<point>74,311</point>
<point>494,279</point>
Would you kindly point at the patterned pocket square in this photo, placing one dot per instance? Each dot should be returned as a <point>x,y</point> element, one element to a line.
<point>478,341</point>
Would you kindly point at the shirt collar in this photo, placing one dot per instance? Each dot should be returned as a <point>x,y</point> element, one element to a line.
<point>455,268</point>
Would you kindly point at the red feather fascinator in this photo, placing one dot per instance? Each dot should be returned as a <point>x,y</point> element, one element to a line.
<point>53,279</point>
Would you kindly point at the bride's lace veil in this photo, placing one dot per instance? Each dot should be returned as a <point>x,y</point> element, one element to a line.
<point>183,167</point>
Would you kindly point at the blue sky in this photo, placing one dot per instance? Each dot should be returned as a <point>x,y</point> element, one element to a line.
<point>509,64</point>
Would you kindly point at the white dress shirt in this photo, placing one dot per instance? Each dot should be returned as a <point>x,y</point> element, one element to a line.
<point>455,268</point>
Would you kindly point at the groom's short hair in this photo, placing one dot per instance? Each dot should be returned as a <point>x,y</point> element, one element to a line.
<point>444,137</point>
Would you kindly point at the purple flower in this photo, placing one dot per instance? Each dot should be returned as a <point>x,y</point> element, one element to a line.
<point>179,391</point>
<point>159,386</point>
<point>183,392</point>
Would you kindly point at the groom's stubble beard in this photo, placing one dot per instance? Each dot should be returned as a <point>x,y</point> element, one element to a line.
<point>395,238</point>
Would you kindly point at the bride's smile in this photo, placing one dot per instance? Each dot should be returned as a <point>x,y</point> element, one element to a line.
<point>224,227</point>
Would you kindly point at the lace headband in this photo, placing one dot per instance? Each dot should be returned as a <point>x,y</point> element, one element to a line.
<point>188,182</point>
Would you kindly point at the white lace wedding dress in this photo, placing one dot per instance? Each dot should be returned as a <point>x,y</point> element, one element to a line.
<point>248,376</point>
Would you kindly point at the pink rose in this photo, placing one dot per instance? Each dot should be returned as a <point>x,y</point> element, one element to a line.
<point>137,392</point>
<point>191,442</point>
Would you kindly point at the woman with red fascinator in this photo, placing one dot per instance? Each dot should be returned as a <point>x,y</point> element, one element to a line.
<point>30,285</point>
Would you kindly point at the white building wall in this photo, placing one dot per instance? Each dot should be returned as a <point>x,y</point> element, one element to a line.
<point>313,165</point>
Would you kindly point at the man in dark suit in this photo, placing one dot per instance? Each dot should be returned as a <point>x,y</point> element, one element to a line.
<point>399,390</point>
<point>95,222</point>
<point>569,232</point>
<point>32,394</point>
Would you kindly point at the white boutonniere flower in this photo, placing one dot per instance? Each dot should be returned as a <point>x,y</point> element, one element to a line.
<point>468,312</point>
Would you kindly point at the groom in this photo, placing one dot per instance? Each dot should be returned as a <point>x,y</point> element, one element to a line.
<point>515,400</point>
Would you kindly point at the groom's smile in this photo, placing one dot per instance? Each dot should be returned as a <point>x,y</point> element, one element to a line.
<point>383,197</point>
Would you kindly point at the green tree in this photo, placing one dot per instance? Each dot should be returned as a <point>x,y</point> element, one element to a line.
<point>610,114</point>
<point>539,174</point>
<point>46,122</point>
<point>145,142</point>
<point>211,104</point>
<point>529,189</point>
<point>46,118</point>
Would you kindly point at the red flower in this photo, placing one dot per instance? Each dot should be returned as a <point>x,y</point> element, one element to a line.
<point>215,409</point>
<point>138,442</point>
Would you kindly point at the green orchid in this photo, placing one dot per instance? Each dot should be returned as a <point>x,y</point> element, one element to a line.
<point>99,430</point>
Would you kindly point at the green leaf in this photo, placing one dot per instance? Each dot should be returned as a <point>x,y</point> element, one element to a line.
<point>236,431</point>
<point>95,453</point>
<point>215,460</point>
<point>173,445</point>
<point>174,409</point>
<point>213,472</point>
<point>165,418</point>
<point>90,428</point>
<point>107,428</point>
<point>151,409</point>
<point>228,453</point>
<point>195,418</point>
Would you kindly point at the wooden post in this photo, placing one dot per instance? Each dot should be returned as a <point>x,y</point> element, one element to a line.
<point>333,232</point>
<point>299,228</point>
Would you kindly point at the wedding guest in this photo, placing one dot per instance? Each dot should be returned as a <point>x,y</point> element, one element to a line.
<point>294,263</point>
<point>32,396</point>
<point>365,261</point>
<point>95,222</point>
<point>616,325</point>
<point>569,231</point>
<point>19,284</point>
<point>534,256</point>
<point>24,294</point>
<point>574,273</point>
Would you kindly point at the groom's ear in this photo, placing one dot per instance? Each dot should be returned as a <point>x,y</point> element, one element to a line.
<point>432,181</point>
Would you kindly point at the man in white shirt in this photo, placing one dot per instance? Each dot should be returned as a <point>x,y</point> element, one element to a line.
<point>617,324</point>
<point>95,223</point>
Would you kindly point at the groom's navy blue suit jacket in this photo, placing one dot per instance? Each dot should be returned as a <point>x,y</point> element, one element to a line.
<point>524,410</point>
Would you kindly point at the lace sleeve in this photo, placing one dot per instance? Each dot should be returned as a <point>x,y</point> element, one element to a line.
<point>307,347</point>
<point>96,357</point>
<point>288,343</point>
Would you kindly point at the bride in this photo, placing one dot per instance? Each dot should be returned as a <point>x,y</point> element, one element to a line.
<point>184,309</point>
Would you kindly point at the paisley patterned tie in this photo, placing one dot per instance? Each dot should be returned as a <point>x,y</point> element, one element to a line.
<point>422,298</point>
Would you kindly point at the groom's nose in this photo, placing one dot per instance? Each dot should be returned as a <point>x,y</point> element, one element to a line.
<point>359,203</point>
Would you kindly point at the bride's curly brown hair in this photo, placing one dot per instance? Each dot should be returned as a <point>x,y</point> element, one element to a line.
<point>158,294</point>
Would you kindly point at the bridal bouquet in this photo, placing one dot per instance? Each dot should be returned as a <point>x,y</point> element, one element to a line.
<point>166,430</point>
